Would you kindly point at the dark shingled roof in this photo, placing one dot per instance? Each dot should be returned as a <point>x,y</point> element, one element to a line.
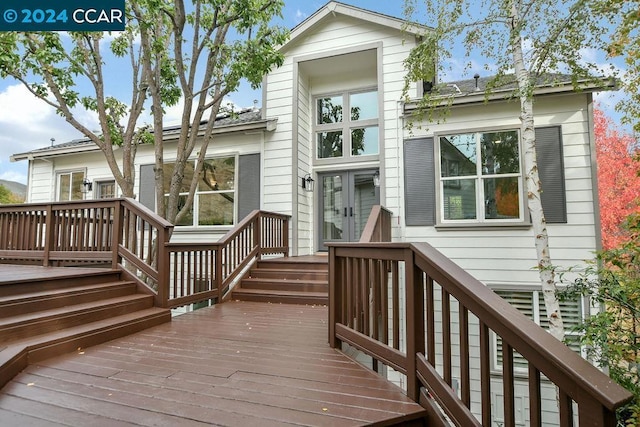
<point>248,115</point>
<point>508,82</point>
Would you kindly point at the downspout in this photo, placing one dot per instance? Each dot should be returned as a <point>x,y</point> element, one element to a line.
<point>594,173</point>
<point>400,172</point>
<point>294,162</point>
<point>27,198</point>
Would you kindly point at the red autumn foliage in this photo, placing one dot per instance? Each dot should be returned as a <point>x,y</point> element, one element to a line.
<point>618,178</point>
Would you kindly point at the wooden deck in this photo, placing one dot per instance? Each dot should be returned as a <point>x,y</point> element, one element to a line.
<point>236,363</point>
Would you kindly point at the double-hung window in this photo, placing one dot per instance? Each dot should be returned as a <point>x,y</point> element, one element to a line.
<point>480,177</point>
<point>70,186</point>
<point>347,137</point>
<point>214,200</point>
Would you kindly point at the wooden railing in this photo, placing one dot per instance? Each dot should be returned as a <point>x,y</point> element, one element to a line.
<point>378,226</point>
<point>122,233</point>
<point>47,233</point>
<point>412,310</point>
<point>205,271</point>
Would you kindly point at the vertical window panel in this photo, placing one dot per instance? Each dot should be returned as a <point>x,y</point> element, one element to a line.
<point>329,110</point>
<point>363,105</point>
<point>329,144</point>
<point>364,141</point>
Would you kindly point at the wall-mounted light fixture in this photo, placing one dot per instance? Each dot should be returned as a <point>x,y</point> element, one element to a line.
<point>87,185</point>
<point>376,179</point>
<point>308,183</point>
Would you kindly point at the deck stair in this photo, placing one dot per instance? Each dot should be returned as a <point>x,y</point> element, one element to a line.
<point>48,316</point>
<point>290,280</point>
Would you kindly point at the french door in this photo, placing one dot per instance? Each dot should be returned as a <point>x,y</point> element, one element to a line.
<point>346,199</point>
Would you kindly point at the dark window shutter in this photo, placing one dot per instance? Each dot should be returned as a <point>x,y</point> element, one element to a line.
<point>551,171</point>
<point>419,182</point>
<point>147,189</point>
<point>248,190</point>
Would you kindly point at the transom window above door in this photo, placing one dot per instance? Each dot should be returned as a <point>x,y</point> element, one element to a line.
<point>343,137</point>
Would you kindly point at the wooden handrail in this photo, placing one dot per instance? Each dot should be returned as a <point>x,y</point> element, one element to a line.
<point>378,226</point>
<point>445,309</point>
<point>127,235</point>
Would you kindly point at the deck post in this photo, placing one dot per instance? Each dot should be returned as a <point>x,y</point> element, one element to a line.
<point>116,233</point>
<point>218,272</point>
<point>164,261</point>
<point>335,302</point>
<point>414,323</point>
<point>285,236</point>
<point>48,239</point>
<point>257,234</point>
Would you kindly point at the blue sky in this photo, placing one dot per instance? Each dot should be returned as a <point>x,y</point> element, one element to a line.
<point>27,123</point>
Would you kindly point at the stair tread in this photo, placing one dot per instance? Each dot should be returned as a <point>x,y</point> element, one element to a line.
<point>272,280</point>
<point>278,292</point>
<point>68,310</point>
<point>72,290</point>
<point>12,349</point>
<point>322,269</point>
<point>69,274</point>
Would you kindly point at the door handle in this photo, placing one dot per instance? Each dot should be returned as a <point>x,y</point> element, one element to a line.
<point>345,212</point>
<point>351,211</point>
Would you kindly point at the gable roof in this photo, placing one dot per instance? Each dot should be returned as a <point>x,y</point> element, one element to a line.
<point>334,8</point>
<point>247,119</point>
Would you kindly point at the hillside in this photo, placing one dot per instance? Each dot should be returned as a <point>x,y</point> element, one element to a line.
<point>15,187</point>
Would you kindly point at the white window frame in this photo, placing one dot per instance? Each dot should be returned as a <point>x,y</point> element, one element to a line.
<point>196,196</point>
<point>98,182</point>
<point>346,126</point>
<point>71,172</point>
<point>479,179</point>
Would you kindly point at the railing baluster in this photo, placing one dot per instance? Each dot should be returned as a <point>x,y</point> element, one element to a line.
<point>566,409</point>
<point>383,267</point>
<point>485,375</point>
<point>508,385</point>
<point>446,335</point>
<point>535,401</point>
<point>395,281</point>
<point>349,291</point>
<point>431,323</point>
<point>465,377</point>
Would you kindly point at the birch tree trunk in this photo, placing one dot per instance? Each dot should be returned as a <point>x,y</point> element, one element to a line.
<point>533,187</point>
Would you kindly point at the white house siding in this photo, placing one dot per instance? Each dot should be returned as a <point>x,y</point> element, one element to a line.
<point>502,255</point>
<point>41,181</point>
<point>43,184</point>
<point>333,35</point>
<point>43,187</point>
<point>304,153</point>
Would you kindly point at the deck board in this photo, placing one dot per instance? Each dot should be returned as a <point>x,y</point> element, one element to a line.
<point>237,363</point>
<point>15,273</point>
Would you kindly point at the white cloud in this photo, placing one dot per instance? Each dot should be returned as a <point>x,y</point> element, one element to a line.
<point>300,16</point>
<point>454,69</point>
<point>28,123</point>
